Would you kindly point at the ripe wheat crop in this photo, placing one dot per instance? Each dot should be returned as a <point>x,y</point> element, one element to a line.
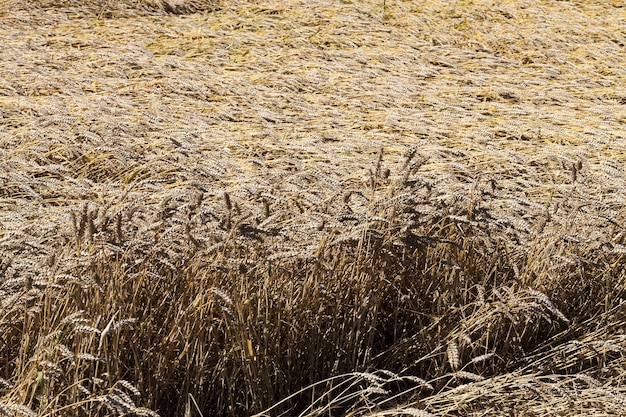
<point>312,208</point>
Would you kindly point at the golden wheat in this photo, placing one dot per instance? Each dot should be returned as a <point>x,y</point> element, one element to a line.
<point>311,209</point>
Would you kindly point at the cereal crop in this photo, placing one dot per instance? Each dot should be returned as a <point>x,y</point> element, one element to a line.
<point>312,208</point>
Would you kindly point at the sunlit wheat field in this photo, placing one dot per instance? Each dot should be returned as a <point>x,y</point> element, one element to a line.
<point>312,208</point>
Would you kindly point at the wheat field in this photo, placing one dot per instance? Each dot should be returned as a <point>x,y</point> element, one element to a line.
<point>312,208</point>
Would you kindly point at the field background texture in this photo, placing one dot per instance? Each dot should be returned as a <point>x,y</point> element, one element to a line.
<point>312,208</point>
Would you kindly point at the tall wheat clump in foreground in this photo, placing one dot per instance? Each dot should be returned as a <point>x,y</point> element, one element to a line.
<point>152,262</point>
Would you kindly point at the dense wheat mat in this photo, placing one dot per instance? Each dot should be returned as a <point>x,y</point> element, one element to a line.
<point>312,208</point>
